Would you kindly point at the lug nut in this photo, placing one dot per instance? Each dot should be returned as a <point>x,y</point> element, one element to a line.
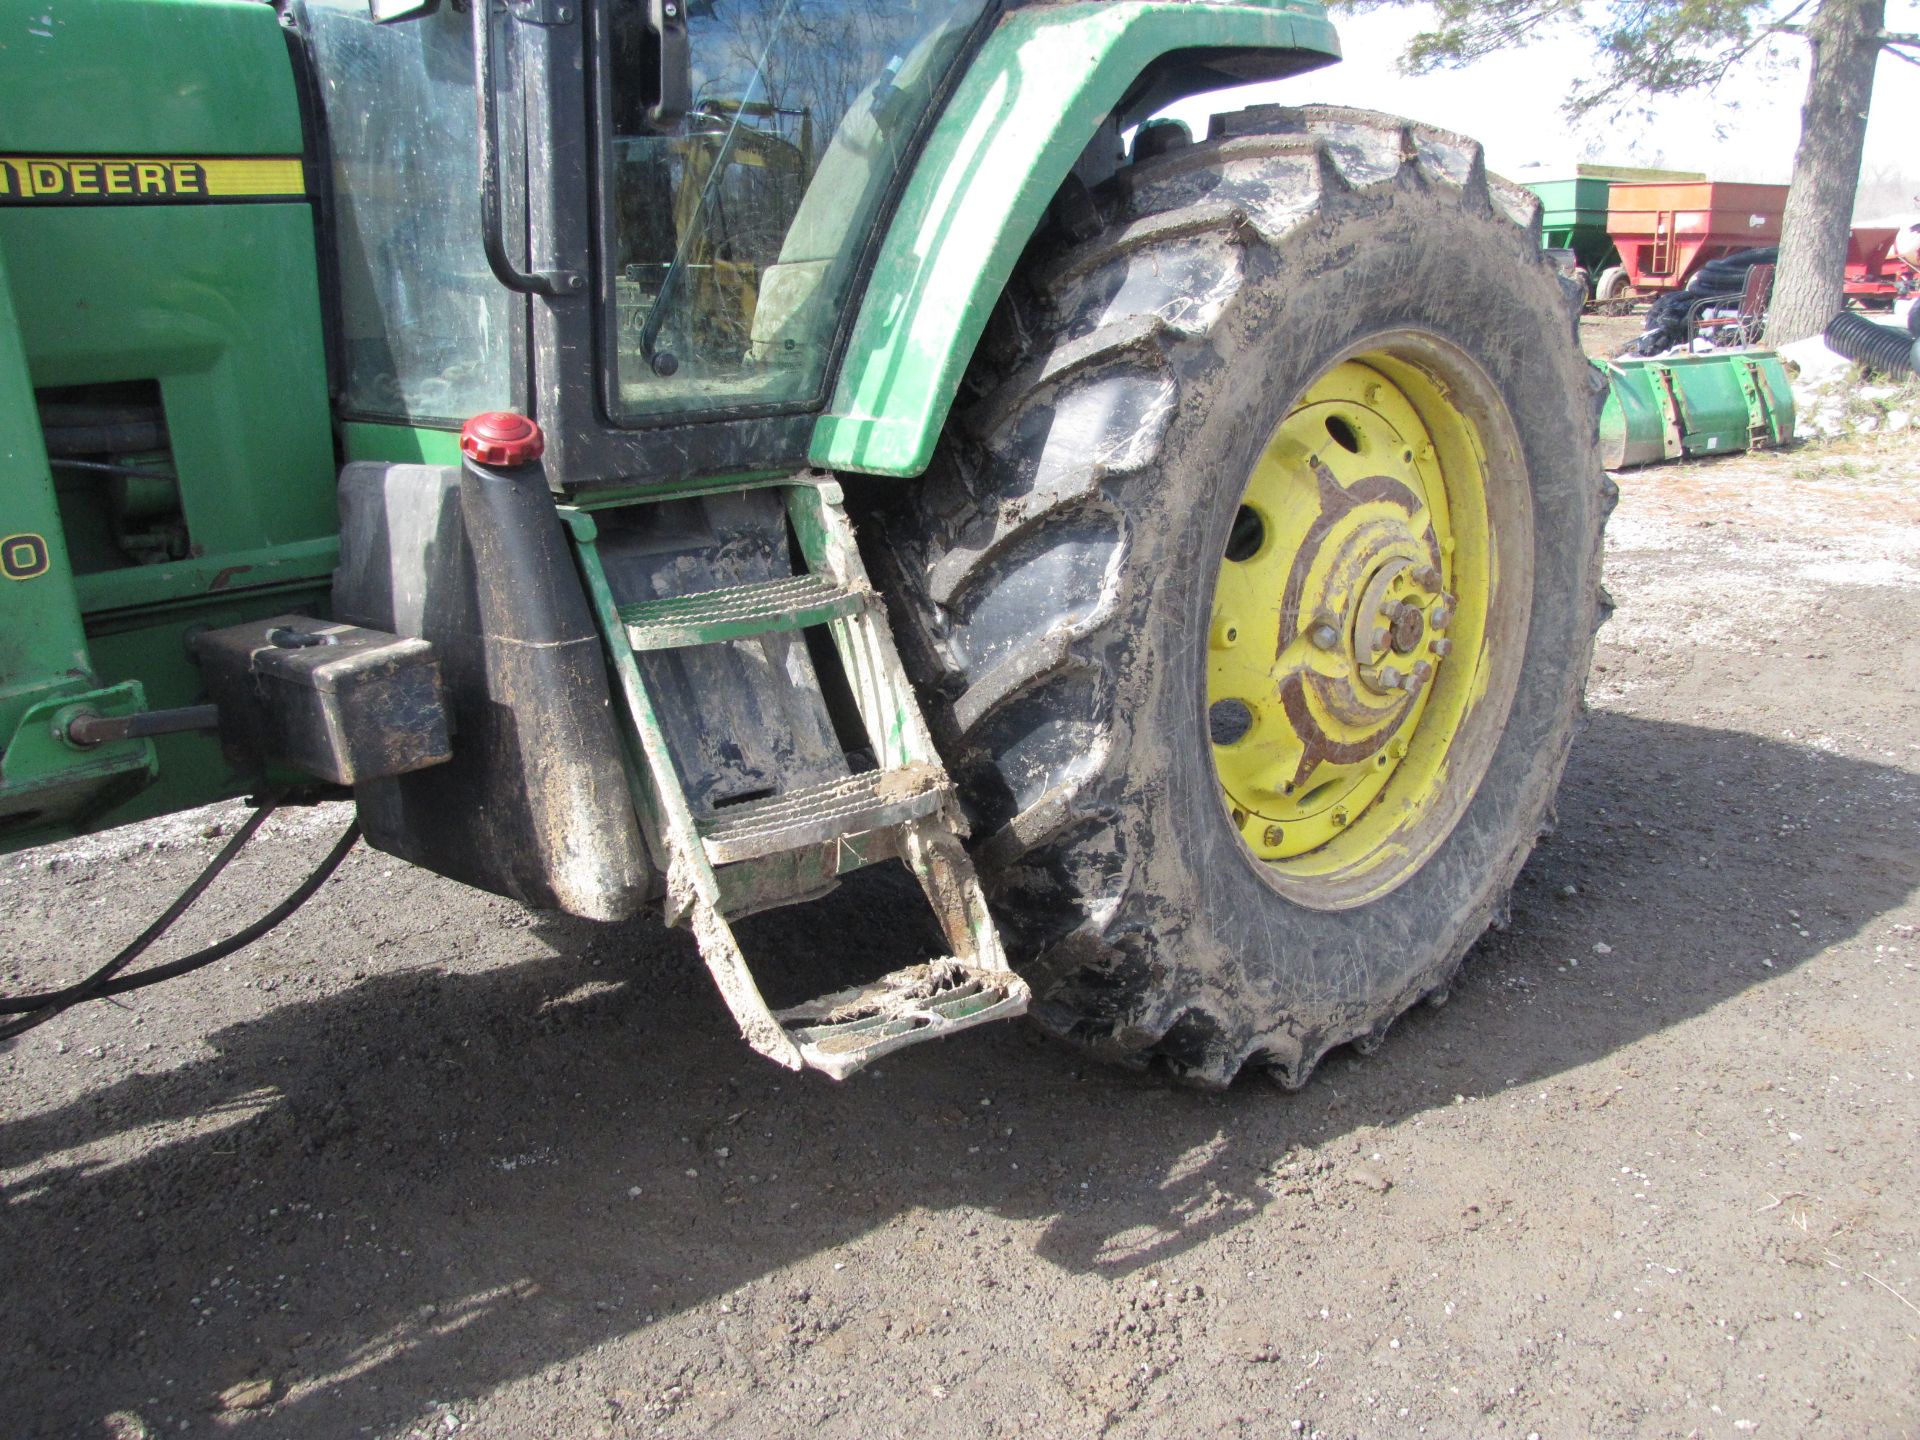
<point>1441,647</point>
<point>1439,616</point>
<point>1427,578</point>
<point>1339,817</point>
<point>1324,636</point>
<point>1381,679</point>
<point>1379,638</point>
<point>1270,835</point>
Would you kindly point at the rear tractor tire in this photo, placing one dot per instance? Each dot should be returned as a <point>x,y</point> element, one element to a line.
<point>1254,590</point>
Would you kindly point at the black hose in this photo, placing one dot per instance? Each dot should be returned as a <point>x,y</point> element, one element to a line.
<point>1729,272</point>
<point>1878,347</point>
<point>102,467</point>
<point>82,429</point>
<point>79,991</point>
<point>240,939</point>
<point>38,1009</point>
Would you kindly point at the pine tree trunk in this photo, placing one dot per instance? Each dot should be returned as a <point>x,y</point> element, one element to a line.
<point>1844,38</point>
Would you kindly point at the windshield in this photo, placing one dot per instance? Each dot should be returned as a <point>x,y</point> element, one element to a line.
<point>423,321</point>
<point>735,239</point>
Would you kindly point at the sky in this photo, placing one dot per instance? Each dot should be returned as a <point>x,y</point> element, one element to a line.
<point>1745,130</point>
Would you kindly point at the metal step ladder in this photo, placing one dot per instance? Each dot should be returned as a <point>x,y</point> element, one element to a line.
<point>795,843</point>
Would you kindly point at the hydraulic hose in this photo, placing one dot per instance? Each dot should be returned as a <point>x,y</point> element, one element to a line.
<point>106,980</point>
<point>1878,347</point>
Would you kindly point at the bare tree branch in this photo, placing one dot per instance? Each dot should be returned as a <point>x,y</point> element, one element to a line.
<point>1783,26</point>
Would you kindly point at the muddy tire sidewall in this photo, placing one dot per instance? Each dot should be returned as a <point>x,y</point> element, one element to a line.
<point>1342,285</point>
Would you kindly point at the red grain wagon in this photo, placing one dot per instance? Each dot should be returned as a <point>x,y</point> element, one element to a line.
<point>1667,231</point>
<point>1873,270</point>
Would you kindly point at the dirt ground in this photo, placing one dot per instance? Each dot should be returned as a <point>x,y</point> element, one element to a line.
<point>424,1163</point>
<point>1605,336</point>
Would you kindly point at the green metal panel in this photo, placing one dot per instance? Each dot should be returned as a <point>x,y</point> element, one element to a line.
<point>201,77</point>
<point>46,785</point>
<point>1692,405</point>
<point>53,787</point>
<point>219,303</point>
<point>1769,377</point>
<point>1027,107</point>
<point>399,444</point>
<point>1573,216</point>
<point>214,304</point>
<point>1572,202</point>
<point>1634,427</point>
<point>273,567</point>
<point>42,649</point>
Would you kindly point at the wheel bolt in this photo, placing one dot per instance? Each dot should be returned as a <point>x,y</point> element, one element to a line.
<point>1441,647</point>
<point>1324,636</point>
<point>1438,617</point>
<point>1379,638</point>
<point>1271,835</point>
<point>1427,578</point>
<point>1381,679</point>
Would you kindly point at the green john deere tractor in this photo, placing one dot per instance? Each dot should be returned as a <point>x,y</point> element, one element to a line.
<point>665,454</point>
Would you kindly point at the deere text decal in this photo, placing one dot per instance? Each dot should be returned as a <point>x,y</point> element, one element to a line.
<point>145,179</point>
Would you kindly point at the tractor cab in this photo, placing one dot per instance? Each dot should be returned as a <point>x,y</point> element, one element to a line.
<point>689,192</point>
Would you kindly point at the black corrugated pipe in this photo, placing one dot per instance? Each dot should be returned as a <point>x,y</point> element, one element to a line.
<point>1878,347</point>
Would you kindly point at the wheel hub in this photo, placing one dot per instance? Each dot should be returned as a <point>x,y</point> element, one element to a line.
<point>1332,614</point>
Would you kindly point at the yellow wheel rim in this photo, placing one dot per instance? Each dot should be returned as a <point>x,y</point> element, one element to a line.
<point>1349,637</point>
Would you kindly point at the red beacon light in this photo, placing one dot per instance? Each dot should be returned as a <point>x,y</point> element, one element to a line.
<point>502,438</point>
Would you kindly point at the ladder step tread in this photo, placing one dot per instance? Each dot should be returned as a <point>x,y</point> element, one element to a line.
<point>839,1033</point>
<point>707,617</point>
<point>812,814</point>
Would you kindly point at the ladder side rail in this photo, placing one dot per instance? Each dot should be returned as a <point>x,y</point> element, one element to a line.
<point>894,725</point>
<point>693,891</point>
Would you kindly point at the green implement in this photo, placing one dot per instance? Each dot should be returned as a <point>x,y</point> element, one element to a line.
<point>1573,216</point>
<point>1687,405</point>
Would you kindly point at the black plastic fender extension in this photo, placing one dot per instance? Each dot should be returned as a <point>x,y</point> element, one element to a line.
<point>535,802</point>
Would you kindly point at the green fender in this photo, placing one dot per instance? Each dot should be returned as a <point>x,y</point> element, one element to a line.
<point>1030,103</point>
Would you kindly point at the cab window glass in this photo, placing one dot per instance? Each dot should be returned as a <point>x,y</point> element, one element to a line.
<point>424,323</point>
<point>734,239</point>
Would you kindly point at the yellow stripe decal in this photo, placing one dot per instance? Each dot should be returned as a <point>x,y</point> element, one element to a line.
<point>145,179</point>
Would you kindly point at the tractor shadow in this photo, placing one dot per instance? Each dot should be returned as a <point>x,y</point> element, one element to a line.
<point>433,1184</point>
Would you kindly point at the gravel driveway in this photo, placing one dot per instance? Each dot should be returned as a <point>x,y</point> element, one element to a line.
<point>425,1163</point>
